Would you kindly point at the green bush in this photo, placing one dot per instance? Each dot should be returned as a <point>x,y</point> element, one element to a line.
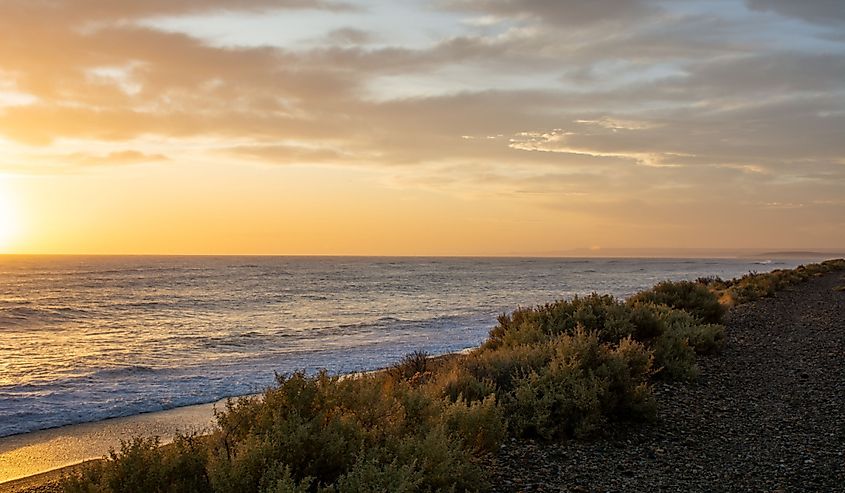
<point>501,366</point>
<point>674,336</point>
<point>834,264</point>
<point>459,384</point>
<point>143,466</point>
<point>278,479</point>
<point>707,338</point>
<point>754,286</point>
<point>682,336</point>
<point>602,314</point>
<point>368,476</point>
<point>587,384</point>
<point>442,463</point>
<point>674,357</point>
<point>692,297</point>
<point>480,425</point>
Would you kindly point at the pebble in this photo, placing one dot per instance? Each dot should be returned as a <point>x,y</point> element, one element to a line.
<point>767,411</point>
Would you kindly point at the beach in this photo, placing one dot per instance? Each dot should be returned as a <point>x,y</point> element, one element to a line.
<point>290,246</point>
<point>763,415</point>
<point>42,451</point>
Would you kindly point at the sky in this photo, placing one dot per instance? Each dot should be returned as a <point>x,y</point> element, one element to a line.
<point>445,127</point>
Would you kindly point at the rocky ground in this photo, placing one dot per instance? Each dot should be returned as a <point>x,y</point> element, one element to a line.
<point>768,414</point>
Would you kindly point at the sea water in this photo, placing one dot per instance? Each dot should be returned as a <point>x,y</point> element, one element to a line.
<point>88,338</point>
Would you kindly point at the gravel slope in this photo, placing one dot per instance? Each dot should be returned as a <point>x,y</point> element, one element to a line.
<point>768,414</point>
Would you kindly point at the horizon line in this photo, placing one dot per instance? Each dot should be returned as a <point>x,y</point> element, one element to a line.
<point>609,253</point>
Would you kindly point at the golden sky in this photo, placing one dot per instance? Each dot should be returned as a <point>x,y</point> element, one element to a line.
<point>449,127</point>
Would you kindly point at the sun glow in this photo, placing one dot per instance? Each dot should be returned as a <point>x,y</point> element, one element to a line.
<point>8,217</point>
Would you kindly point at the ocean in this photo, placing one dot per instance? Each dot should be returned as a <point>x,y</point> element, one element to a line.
<point>88,338</point>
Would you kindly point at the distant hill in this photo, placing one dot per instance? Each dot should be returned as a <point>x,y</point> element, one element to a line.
<point>687,253</point>
<point>800,254</point>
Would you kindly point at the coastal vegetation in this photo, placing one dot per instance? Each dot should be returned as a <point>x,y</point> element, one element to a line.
<point>753,285</point>
<point>559,371</point>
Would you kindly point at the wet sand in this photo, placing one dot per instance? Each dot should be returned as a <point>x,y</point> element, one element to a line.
<point>29,454</point>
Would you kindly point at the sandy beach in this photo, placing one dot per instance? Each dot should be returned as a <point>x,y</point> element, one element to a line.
<point>34,453</point>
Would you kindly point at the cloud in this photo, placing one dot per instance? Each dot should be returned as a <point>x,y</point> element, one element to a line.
<point>716,103</point>
<point>826,12</point>
<point>349,36</point>
<point>107,10</point>
<point>289,154</point>
<point>113,158</point>
<point>562,12</point>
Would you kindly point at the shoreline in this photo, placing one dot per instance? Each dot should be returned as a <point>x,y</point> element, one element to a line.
<point>47,453</point>
<point>111,390</point>
<point>28,454</point>
<point>129,425</point>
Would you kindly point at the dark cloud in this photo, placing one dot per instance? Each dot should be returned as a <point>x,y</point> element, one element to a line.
<point>350,36</point>
<point>826,12</point>
<point>562,12</point>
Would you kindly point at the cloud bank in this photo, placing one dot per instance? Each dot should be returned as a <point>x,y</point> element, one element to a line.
<point>600,107</point>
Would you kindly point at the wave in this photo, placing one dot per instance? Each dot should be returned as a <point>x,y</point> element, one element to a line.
<point>388,322</point>
<point>239,340</point>
<point>104,375</point>
<point>121,371</point>
<point>28,315</point>
<point>93,272</point>
<point>27,419</point>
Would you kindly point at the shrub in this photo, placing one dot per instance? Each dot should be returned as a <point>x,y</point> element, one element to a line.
<point>371,475</point>
<point>608,317</point>
<point>587,384</point>
<point>480,425</point>
<point>555,404</point>
<point>460,384</point>
<point>753,285</point>
<point>681,338</point>
<point>501,366</point>
<point>692,297</point>
<point>442,464</point>
<point>834,264</point>
<point>646,320</point>
<point>411,365</point>
<point>278,479</point>
<point>706,338</point>
<point>674,357</point>
<point>142,466</point>
<point>602,314</point>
